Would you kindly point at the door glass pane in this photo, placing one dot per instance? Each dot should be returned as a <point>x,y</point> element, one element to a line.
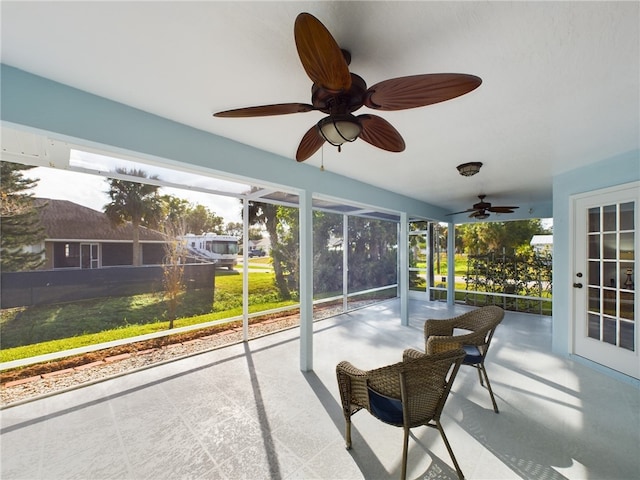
<point>594,246</point>
<point>85,255</point>
<point>627,246</point>
<point>594,326</point>
<point>610,274</point>
<point>626,216</point>
<point>609,218</point>
<point>609,331</point>
<point>594,300</point>
<point>594,273</point>
<point>594,219</point>
<point>609,245</point>
<point>626,305</point>
<point>609,299</point>
<point>626,336</point>
<point>627,280</point>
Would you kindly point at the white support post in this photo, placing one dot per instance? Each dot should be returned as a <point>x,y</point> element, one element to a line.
<point>306,281</point>
<point>403,262</point>
<point>245,270</point>
<point>451,264</point>
<point>345,263</point>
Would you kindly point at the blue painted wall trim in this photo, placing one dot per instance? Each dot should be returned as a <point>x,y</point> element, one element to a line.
<point>39,103</point>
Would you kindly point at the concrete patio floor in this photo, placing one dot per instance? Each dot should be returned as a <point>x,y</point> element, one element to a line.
<point>247,412</point>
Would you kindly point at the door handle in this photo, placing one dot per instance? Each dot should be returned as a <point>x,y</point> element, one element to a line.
<point>577,285</point>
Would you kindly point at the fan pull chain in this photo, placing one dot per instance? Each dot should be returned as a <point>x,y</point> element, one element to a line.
<point>322,159</point>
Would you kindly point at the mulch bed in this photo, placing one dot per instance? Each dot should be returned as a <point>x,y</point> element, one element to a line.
<point>131,348</point>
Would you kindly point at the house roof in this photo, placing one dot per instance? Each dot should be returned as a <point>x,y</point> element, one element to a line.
<point>65,220</point>
<point>541,240</point>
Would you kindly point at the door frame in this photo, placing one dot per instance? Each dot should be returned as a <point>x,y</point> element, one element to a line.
<point>573,219</point>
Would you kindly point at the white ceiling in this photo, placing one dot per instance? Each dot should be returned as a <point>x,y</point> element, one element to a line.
<point>561,80</point>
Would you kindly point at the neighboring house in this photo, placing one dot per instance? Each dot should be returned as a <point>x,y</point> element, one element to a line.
<point>542,243</point>
<point>80,237</point>
<point>263,244</point>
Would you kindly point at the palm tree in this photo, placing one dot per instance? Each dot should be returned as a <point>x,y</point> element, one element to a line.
<point>138,203</point>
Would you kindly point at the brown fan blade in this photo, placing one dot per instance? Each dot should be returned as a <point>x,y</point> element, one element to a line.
<point>310,143</point>
<point>266,110</point>
<point>380,133</point>
<point>502,209</point>
<point>419,90</point>
<point>320,55</point>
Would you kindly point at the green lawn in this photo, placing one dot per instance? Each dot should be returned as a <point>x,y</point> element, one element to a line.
<point>26,332</point>
<point>460,265</point>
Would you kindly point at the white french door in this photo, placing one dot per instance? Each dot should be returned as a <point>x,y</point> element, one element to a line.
<point>605,287</point>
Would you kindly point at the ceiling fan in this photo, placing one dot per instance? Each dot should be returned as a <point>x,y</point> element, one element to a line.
<point>481,209</point>
<point>338,93</point>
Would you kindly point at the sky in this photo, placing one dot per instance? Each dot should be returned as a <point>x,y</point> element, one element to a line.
<point>90,190</point>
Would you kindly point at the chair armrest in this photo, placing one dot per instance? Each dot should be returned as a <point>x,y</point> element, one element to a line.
<point>443,343</point>
<point>346,368</point>
<point>477,338</point>
<point>352,382</point>
<point>411,353</point>
<point>438,327</point>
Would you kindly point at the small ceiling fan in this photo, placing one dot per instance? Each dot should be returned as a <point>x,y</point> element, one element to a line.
<point>338,93</point>
<point>481,209</point>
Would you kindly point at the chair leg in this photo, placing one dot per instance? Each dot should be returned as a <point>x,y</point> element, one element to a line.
<point>405,449</point>
<point>347,433</point>
<point>446,443</point>
<point>486,377</point>
<point>478,368</point>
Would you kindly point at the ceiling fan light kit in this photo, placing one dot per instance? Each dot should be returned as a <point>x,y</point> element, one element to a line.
<point>338,92</point>
<point>338,129</point>
<point>469,169</point>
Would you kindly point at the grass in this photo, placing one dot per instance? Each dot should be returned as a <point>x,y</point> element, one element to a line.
<point>460,266</point>
<point>27,332</point>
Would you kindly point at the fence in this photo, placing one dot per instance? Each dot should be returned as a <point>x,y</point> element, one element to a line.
<point>58,286</point>
<point>516,282</point>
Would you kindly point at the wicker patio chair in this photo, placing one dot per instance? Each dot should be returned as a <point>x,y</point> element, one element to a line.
<point>481,325</point>
<point>406,394</point>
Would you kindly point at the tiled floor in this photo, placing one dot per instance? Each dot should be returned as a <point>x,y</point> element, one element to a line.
<point>246,411</point>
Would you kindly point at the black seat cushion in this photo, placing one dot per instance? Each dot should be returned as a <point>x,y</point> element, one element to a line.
<point>472,356</point>
<point>387,409</point>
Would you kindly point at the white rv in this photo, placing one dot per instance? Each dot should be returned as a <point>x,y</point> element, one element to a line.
<point>220,249</point>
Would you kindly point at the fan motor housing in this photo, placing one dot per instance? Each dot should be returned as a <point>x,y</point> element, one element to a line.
<point>331,102</point>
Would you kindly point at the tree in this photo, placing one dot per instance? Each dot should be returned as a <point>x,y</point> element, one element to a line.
<point>266,214</point>
<point>174,209</point>
<point>286,253</point>
<point>20,226</point>
<point>202,220</point>
<point>496,236</point>
<point>327,260</point>
<point>372,253</point>
<point>138,203</point>
<point>235,229</point>
<point>175,253</point>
